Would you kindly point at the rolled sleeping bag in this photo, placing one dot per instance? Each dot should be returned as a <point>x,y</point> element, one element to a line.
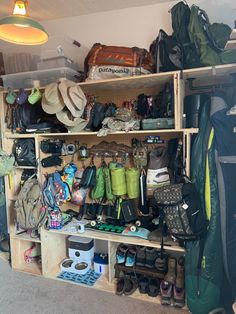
<point>132,182</point>
<point>118,181</point>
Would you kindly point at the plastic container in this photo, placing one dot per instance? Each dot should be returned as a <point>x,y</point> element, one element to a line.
<point>57,62</point>
<point>26,79</point>
<point>101,263</point>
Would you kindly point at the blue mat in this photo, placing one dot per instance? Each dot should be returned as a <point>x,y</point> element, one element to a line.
<point>88,279</point>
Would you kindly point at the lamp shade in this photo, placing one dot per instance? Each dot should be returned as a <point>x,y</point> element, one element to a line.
<point>22,30</point>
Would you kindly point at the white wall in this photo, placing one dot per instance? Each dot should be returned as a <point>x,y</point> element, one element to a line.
<point>133,26</point>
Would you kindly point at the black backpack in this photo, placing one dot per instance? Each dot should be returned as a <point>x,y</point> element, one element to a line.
<point>24,152</point>
<point>166,53</point>
<point>180,14</point>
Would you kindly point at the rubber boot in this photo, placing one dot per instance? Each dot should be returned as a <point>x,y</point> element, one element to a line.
<point>171,274</point>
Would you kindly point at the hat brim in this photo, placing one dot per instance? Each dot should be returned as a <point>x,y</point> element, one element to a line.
<point>79,127</point>
<point>64,90</point>
<point>64,117</point>
<point>77,96</point>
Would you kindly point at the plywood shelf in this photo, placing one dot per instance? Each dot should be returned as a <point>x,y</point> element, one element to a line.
<point>169,246</point>
<point>25,237</point>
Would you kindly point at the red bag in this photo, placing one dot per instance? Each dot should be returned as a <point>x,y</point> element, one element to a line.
<point>122,56</point>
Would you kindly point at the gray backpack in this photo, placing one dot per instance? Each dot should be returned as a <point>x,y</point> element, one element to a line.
<point>30,213</point>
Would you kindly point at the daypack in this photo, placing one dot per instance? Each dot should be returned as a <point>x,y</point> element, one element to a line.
<point>183,214</point>
<point>24,152</point>
<point>180,14</point>
<point>55,191</point>
<point>30,213</point>
<point>166,53</point>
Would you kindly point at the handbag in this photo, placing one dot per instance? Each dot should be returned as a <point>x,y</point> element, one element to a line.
<point>183,214</point>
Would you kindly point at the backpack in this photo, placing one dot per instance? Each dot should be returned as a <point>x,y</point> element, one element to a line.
<point>183,214</point>
<point>166,53</point>
<point>30,213</point>
<point>201,36</point>
<point>55,192</point>
<point>24,152</point>
<point>180,14</point>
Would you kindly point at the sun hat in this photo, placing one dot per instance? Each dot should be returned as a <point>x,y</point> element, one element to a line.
<point>65,117</point>
<point>78,127</point>
<point>73,97</point>
<point>52,101</point>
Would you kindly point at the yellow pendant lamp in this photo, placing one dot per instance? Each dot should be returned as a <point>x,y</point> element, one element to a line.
<point>20,29</point>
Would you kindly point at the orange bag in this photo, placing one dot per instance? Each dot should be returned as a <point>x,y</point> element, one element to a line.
<point>122,56</point>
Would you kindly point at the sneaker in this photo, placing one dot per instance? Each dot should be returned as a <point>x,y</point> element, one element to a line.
<point>153,287</point>
<point>131,285</point>
<point>165,292</point>
<point>179,297</point>
<point>151,255</point>
<point>143,285</point>
<point>171,274</point>
<point>130,257</point>
<point>121,253</point>
<point>141,256</point>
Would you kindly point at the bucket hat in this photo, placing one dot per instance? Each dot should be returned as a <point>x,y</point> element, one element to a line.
<point>52,101</point>
<point>73,97</point>
<point>72,123</point>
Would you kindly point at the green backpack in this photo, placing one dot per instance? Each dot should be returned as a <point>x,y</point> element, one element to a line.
<point>209,39</point>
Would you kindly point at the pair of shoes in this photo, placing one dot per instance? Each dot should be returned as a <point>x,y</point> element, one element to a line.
<point>151,286</point>
<point>173,283</point>
<point>126,285</point>
<point>146,256</point>
<point>126,254</point>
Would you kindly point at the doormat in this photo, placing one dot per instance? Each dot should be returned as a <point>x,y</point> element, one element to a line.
<point>88,279</point>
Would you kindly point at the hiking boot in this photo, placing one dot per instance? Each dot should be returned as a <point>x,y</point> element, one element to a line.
<point>151,255</point>
<point>180,273</point>
<point>171,274</point>
<point>165,292</point>
<point>179,297</point>
<point>121,253</point>
<point>141,256</point>
<point>161,262</point>
<point>130,257</point>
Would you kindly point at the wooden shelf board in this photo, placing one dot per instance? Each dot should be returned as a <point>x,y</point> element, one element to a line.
<point>25,167</point>
<point>133,82</point>
<point>16,135</point>
<point>211,71</point>
<point>29,269</point>
<point>25,237</point>
<point>169,246</point>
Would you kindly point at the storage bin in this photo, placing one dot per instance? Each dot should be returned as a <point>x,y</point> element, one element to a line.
<point>25,79</point>
<point>57,62</point>
<point>160,123</point>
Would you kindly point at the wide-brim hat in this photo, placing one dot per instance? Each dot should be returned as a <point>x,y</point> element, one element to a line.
<point>78,127</point>
<point>52,101</point>
<point>73,97</point>
<point>77,96</point>
<point>65,117</point>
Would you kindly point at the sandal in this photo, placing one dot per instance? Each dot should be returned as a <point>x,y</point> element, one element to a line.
<point>120,286</point>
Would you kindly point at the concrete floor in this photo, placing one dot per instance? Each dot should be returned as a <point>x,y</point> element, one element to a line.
<point>25,294</point>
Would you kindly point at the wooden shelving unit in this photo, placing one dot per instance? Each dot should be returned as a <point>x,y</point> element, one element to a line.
<point>53,242</point>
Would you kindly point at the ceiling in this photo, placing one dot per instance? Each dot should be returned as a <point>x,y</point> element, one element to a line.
<point>51,9</point>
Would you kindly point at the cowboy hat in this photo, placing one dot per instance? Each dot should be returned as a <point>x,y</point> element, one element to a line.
<point>68,120</point>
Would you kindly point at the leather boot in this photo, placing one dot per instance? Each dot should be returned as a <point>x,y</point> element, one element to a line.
<point>180,273</point>
<point>171,274</point>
